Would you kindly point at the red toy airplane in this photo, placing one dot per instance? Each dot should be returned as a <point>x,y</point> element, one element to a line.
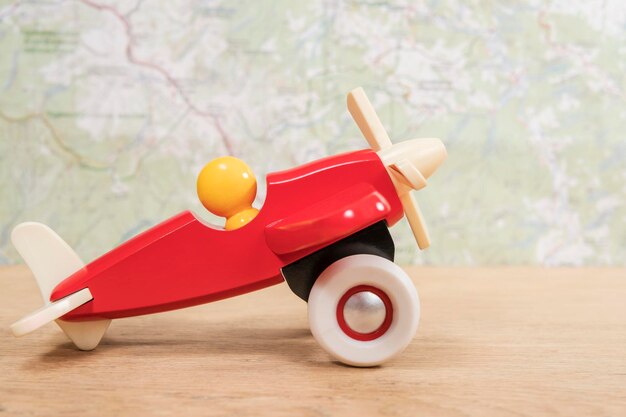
<point>323,229</point>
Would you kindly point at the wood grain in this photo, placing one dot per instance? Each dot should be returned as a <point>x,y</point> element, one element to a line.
<point>505,342</point>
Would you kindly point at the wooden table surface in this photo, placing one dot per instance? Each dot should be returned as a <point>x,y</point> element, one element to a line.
<point>503,342</point>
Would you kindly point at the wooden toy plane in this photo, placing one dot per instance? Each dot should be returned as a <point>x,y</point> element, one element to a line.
<point>323,229</point>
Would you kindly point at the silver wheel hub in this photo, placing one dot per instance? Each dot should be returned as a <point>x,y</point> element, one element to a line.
<point>364,312</point>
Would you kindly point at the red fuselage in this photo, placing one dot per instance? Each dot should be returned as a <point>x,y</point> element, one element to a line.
<point>184,261</point>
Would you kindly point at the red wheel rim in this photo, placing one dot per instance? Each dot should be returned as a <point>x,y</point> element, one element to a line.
<point>381,330</point>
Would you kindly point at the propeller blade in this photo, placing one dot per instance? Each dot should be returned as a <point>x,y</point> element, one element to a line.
<point>416,220</point>
<point>410,175</point>
<point>408,163</point>
<point>367,120</point>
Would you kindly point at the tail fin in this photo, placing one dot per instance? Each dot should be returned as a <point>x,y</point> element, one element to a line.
<point>52,260</point>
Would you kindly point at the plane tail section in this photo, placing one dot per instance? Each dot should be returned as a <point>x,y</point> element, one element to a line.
<point>51,260</point>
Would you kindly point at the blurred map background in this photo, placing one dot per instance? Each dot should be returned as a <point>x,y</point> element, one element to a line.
<point>108,109</point>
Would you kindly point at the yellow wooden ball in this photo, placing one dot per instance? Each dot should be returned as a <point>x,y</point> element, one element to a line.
<point>226,186</point>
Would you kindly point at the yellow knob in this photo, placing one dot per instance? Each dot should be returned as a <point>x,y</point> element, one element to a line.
<point>227,187</point>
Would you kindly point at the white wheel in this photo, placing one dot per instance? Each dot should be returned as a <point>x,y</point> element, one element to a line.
<point>363,310</point>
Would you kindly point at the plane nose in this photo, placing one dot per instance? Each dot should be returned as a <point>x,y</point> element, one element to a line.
<point>426,155</point>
